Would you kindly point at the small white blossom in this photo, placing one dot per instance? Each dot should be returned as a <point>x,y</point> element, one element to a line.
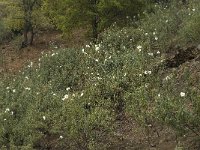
<point>14,91</point>
<point>159,95</point>
<point>7,110</point>
<point>146,85</point>
<point>83,50</point>
<point>154,33</point>
<point>65,97</point>
<point>167,21</point>
<point>67,89</point>
<point>193,9</point>
<point>146,34</point>
<point>44,118</point>
<point>88,46</point>
<point>150,54</point>
<point>147,72</point>
<point>139,47</point>
<point>27,88</point>
<point>61,137</point>
<point>81,94</point>
<point>158,52</point>
<point>97,47</point>
<point>182,94</point>
<point>167,77</point>
<point>156,38</point>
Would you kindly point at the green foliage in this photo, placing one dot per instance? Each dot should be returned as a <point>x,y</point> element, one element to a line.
<point>81,13</point>
<point>190,33</point>
<point>74,96</point>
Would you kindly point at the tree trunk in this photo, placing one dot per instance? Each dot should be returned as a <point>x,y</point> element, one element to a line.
<point>95,29</point>
<point>25,41</point>
<point>95,20</point>
<point>32,36</point>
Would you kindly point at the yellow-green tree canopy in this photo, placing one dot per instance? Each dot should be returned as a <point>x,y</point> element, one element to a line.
<point>98,14</point>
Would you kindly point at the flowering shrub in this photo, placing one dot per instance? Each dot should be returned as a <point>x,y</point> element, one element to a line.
<point>74,96</point>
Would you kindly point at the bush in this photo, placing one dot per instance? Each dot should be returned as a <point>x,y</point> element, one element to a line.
<point>74,96</point>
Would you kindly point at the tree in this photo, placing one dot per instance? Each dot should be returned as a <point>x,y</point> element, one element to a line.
<point>21,17</point>
<point>96,14</point>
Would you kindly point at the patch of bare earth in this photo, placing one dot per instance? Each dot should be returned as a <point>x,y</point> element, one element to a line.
<point>13,59</point>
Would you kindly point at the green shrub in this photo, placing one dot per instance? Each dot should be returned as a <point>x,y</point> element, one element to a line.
<point>74,96</point>
<point>190,33</point>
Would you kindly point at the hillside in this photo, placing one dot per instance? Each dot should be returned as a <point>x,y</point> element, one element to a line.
<point>136,87</point>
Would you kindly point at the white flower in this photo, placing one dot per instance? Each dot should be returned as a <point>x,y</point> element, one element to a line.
<point>54,94</point>
<point>167,21</point>
<point>139,47</point>
<point>167,77</point>
<point>31,64</point>
<point>96,60</point>
<point>146,85</point>
<point>65,97</point>
<point>158,52</point>
<point>12,112</point>
<point>61,137</point>
<point>193,9</point>
<point>27,88</point>
<point>7,88</point>
<point>156,38</point>
<point>150,54</point>
<point>53,54</point>
<point>83,50</point>
<point>14,91</point>
<point>67,89</point>
<point>146,34</point>
<point>159,95</point>
<point>26,78</point>
<point>4,119</point>
<point>81,94</point>
<point>88,46</point>
<point>147,72</point>
<point>7,109</point>
<point>97,48</point>
<point>44,118</point>
<point>154,33</point>
<point>140,75</point>
<point>125,74</point>
<point>182,94</point>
